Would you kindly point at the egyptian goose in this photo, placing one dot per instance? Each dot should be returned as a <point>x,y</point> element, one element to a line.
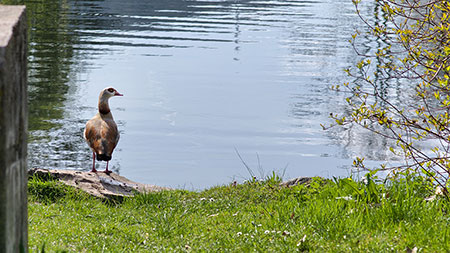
<point>101,132</point>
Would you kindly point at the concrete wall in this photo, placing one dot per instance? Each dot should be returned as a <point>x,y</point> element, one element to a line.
<point>13,130</point>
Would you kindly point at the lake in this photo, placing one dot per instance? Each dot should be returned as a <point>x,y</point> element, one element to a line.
<point>203,82</point>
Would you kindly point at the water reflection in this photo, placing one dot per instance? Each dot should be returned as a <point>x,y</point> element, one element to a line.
<point>357,140</point>
<point>200,79</point>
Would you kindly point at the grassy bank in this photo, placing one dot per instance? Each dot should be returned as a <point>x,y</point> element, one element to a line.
<point>335,215</point>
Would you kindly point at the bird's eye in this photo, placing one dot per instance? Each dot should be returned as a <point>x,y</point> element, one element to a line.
<point>111,90</point>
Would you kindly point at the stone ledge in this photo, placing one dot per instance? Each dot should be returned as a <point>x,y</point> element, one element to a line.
<point>13,129</point>
<point>10,16</point>
<point>97,184</point>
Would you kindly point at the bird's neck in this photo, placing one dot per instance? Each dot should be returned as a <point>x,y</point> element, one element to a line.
<point>103,106</point>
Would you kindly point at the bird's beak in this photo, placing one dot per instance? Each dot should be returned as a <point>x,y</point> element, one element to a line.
<point>117,94</point>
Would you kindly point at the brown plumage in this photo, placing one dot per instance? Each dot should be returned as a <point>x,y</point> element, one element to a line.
<point>101,131</point>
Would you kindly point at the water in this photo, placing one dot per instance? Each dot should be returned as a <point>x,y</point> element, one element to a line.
<point>202,81</point>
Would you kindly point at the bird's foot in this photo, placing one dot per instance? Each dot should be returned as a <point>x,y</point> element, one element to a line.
<point>107,172</point>
<point>94,170</point>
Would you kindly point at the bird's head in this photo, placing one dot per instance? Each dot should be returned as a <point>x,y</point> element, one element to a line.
<point>110,92</point>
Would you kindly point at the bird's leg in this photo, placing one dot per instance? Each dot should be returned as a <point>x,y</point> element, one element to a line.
<point>93,162</point>
<point>107,171</point>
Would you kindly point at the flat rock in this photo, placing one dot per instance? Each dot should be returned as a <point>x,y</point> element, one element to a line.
<point>97,184</point>
<point>296,181</point>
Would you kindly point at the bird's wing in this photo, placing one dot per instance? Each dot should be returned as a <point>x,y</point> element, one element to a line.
<point>92,134</point>
<point>110,136</point>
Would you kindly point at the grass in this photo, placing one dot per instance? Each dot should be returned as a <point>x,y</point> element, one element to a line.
<point>338,215</point>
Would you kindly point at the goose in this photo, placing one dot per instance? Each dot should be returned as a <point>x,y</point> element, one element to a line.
<point>101,131</point>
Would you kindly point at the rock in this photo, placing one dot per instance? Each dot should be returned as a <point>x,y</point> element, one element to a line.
<point>98,184</point>
<point>296,181</point>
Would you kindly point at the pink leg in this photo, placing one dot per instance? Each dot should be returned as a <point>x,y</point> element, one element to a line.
<point>93,162</point>
<point>107,171</point>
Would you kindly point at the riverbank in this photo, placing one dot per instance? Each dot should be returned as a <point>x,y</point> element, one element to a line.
<point>322,215</point>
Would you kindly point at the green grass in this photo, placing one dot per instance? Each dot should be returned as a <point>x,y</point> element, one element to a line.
<point>254,216</point>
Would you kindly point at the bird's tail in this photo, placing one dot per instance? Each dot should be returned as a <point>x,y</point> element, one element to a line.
<point>103,157</point>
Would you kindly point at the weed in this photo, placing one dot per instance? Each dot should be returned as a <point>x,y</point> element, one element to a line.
<point>323,215</point>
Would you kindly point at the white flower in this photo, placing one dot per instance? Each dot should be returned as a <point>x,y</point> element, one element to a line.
<point>345,198</point>
<point>301,241</point>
